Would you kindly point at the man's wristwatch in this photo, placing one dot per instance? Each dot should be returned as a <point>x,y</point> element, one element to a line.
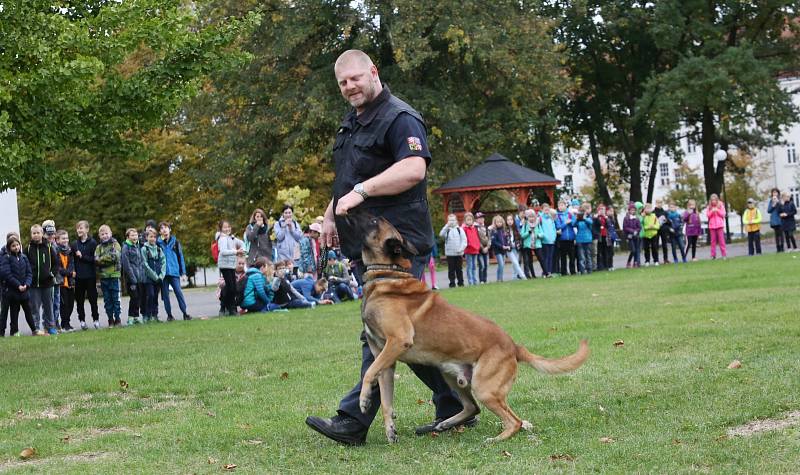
<point>359,188</point>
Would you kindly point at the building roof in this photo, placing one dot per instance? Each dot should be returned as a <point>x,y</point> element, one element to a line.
<point>497,172</point>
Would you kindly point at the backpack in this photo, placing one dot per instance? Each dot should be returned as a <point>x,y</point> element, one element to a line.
<point>241,286</point>
<point>215,251</point>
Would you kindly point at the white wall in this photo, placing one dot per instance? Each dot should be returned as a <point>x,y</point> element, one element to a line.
<point>9,214</point>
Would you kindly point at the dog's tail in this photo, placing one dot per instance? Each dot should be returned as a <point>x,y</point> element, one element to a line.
<point>561,365</point>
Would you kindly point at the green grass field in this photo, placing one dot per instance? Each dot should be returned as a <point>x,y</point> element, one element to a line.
<point>204,394</point>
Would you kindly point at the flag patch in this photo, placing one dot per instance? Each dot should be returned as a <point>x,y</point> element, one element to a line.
<point>414,144</point>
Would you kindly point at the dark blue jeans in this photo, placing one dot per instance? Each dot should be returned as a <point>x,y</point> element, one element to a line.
<point>151,290</point>
<point>175,283</point>
<point>585,257</point>
<point>483,267</point>
<point>110,288</point>
<point>444,398</point>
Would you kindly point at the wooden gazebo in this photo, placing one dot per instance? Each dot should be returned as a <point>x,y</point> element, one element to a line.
<point>495,173</point>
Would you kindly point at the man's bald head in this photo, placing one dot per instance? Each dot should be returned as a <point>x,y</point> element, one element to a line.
<point>353,57</point>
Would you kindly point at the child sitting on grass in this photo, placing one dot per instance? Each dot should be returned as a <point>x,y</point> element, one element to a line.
<point>107,257</point>
<point>258,293</point>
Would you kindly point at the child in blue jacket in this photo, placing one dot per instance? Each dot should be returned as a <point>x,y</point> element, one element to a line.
<point>583,238</point>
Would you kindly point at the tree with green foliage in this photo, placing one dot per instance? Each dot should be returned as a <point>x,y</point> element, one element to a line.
<point>725,57</point>
<point>484,78</point>
<point>688,186</point>
<point>85,79</point>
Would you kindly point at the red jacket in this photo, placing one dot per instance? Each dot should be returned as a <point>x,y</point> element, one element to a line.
<point>473,241</point>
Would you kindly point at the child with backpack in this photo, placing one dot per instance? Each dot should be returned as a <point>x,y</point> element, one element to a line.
<point>632,226</point>
<point>693,227</point>
<point>229,249</point>
<point>155,267</point>
<point>675,221</point>
<point>108,259</point>
<point>42,258</point>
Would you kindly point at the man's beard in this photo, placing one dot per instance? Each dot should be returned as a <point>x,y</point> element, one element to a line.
<point>367,95</point>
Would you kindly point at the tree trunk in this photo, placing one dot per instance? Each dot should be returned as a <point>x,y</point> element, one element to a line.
<point>634,161</point>
<point>711,178</point>
<point>651,180</point>
<point>602,185</point>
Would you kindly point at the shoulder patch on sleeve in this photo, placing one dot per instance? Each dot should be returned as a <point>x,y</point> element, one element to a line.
<point>414,144</point>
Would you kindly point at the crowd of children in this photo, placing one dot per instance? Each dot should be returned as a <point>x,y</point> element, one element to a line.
<point>50,277</point>
<point>574,239</point>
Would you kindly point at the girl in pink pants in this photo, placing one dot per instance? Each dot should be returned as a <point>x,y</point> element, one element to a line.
<point>715,212</point>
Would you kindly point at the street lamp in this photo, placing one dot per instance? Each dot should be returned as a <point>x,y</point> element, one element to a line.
<point>721,156</point>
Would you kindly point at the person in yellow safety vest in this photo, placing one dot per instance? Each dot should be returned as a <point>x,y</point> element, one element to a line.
<point>752,225</point>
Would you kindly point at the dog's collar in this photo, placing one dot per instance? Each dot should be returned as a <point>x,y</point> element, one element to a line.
<point>391,267</point>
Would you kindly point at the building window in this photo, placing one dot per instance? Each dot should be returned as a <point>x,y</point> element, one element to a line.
<point>663,169</point>
<point>791,154</point>
<point>568,183</point>
<point>691,147</point>
<point>795,192</point>
<point>678,178</point>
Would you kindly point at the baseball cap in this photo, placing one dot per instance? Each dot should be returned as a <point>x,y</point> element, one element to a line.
<point>331,254</point>
<point>316,227</point>
<point>49,227</point>
<point>479,215</point>
<point>750,200</point>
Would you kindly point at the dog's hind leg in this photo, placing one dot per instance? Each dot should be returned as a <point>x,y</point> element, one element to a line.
<point>492,381</point>
<point>470,406</point>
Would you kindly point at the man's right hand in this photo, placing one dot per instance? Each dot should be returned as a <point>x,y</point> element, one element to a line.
<point>328,230</point>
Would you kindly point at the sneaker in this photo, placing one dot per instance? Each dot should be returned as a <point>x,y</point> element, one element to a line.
<point>428,428</point>
<point>187,317</point>
<point>52,331</point>
<point>656,264</point>
<point>437,288</point>
<point>340,428</point>
<point>130,322</point>
<point>83,326</point>
<point>647,264</point>
<point>170,318</point>
<point>628,265</point>
<point>40,332</point>
<point>138,320</point>
<point>96,324</point>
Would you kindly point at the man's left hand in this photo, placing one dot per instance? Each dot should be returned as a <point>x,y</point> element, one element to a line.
<point>348,202</point>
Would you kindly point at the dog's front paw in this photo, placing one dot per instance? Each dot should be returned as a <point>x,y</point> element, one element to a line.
<point>364,404</point>
<point>391,434</point>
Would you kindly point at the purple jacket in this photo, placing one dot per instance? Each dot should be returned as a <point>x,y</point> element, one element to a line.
<point>631,225</point>
<point>693,226</point>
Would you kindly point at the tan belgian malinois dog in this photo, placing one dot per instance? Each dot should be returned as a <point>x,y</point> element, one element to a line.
<point>405,321</point>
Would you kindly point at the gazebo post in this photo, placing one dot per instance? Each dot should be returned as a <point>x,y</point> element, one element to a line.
<point>468,198</point>
<point>521,195</point>
<point>550,194</point>
<point>446,201</point>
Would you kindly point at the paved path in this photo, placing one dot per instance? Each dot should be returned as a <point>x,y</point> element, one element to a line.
<point>203,302</point>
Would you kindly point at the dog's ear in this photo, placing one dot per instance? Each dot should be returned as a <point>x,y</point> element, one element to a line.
<point>395,247</point>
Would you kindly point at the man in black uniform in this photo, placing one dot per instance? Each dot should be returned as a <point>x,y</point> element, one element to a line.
<point>381,156</point>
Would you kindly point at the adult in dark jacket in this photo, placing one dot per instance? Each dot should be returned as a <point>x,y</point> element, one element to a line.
<point>257,237</point>
<point>43,260</point>
<point>788,224</point>
<point>774,210</point>
<point>85,273</point>
<point>664,231</point>
<point>16,277</point>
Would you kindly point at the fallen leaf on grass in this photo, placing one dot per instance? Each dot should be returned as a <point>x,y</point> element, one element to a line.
<point>735,364</point>
<point>245,426</point>
<point>595,295</point>
<point>607,440</point>
<point>562,457</point>
<point>254,442</point>
<point>506,453</point>
<point>434,434</point>
<point>229,466</point>
<point>212,461</point>
<point>619,343</point>
<point>65,438</point>
<point>460,429</point>
<point>211,414</point>
<point>420,402</point>
<point>676,442</point>
<point>123,384</point>
<point>284,375</point>
<point>602,409</point>
<point>552,329</point>
<point>27,453</point>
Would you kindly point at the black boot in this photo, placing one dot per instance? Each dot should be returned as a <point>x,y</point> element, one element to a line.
<point>340,428</point>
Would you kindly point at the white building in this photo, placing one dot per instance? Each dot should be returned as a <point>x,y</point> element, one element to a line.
<point>781,162</point>
<point>9,214</point>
